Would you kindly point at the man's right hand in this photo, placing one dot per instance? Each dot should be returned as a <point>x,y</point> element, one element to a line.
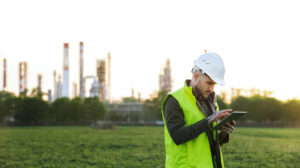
<point>218,115</point>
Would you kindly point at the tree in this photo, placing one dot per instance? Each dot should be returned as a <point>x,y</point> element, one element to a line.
<point>61,110</point>
<point>259,108</point>
<point>152,108</point>
<point>23,93</point>
<point>30,111</point>
<point>94,109</point>
<point>36,93</point>
<point>292,111</point>
<point>5,104</point>
<point>272,108</point>
<point>242,103</point>
<point>221,103</point>
<point>76,112</point>
<point>130,99</point>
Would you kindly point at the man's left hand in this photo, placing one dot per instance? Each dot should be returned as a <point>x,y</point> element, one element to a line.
<point>229,127</point>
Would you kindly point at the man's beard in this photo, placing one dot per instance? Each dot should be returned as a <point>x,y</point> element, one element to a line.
<point>200,94</point>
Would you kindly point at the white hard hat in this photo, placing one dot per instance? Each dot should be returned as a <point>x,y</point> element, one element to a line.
<point>212,65</point>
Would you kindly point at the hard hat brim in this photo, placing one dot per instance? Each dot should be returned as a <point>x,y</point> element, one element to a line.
<point>220,82</point>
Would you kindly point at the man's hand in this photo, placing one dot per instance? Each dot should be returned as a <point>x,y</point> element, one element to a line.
<point>218,115</point>
<point>229,127</point>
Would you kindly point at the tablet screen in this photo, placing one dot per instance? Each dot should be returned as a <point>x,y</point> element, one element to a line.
<point>233,116</point>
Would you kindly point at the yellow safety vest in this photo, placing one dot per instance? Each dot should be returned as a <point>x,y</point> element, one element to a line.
<point>194,153</point>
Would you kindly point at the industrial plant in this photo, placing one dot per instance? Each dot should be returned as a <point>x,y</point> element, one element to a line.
<point>165,79</point>
<point>98,84</point>
<point>101,82</point>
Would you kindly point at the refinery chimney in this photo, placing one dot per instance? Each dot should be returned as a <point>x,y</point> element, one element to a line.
<point>74,89</point>
<point>39,83</point>
<point>22,76</point>
<point>65,84</point>
<point>108,78</point>
<point>59,87</point>
<point>49,96</point>
<point>4,74</point>
<point>55,86</point>
<point>81,89</point>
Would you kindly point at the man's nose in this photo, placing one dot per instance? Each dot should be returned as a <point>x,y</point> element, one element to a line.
<point>211,88</point>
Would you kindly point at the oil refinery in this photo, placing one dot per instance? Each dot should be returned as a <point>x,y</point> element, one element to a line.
<point>100,83</point>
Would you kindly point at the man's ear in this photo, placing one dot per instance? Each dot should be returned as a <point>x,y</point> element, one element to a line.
<point>196,76</point>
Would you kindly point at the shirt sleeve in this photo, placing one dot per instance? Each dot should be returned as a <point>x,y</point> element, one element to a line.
<point>175,123</point>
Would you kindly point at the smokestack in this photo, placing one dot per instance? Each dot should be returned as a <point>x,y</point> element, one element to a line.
<point>26,75</point>
<point>65,84</point>
<point>55,86</point>
<point>132,92</point>
<point>74,89</point>
<point>39,83</point>
<point>49,96</point>
<point>108,74</point>
<point>4,73</point>
<point>81,90</point>
<point>22,76</point>
<point>59,87</point>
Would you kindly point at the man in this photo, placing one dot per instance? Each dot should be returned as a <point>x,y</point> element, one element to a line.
<point>190,115</point>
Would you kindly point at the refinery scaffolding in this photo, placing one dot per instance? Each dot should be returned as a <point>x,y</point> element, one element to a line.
<point>165,78</point>
<point>103,76</point>
<point>108,77</point>
<point>101,71</point>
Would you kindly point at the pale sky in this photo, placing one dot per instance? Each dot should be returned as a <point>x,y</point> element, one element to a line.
<point>258,41</point>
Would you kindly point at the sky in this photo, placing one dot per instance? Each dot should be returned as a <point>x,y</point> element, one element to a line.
<point>258,41</point>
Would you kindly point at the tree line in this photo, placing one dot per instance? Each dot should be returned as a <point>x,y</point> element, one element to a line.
<point>262,109</point>
<point>33,110</point>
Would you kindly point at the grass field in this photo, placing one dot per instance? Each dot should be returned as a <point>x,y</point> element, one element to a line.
<point>137,147</point>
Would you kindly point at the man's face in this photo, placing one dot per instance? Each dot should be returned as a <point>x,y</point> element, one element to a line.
<point>204,85</point>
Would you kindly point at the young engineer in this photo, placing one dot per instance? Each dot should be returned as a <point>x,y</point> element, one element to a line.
<point>190,115</point>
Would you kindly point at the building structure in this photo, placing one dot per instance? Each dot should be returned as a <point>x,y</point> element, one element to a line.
<point>165,78</point>
<point>65,84</point>
<point>23,71</point>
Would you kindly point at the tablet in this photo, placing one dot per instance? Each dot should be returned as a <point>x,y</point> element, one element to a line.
<point>233,116</point>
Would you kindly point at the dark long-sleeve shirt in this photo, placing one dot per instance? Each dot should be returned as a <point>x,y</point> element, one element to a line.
<point>175,122</point>
<point>174,118</point>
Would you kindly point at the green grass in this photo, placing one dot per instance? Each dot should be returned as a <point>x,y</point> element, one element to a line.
<point>136,147</point>
<point>263,147</point>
